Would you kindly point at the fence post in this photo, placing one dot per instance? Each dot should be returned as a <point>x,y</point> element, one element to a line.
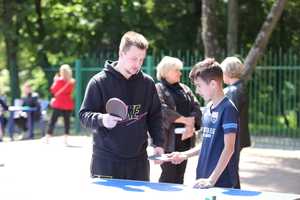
<point>78,96</point>
<point>149,65</point>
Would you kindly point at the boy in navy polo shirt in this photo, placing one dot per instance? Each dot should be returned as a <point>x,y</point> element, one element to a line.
<point>217,164</point>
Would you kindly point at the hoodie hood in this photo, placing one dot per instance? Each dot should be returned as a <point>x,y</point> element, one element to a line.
<point>109,67</point>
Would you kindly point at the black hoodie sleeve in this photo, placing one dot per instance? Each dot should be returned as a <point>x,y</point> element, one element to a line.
<point>155,119</point>
<point>90,112</point>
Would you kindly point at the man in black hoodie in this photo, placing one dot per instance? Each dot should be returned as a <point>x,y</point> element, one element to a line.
<point>119,147</point>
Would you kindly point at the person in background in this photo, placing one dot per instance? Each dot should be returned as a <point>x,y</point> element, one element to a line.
<point>236,91</point>
<point>62,102</point>
<point>181,116</point>
<point>30,99</point>
<point>3,120</point>
<point>120,147</point>
<point>217,163</point>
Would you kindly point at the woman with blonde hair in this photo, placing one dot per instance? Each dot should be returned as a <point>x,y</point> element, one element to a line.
<point>181,116</point>
<point>62,102</point>
<point>237,92</point>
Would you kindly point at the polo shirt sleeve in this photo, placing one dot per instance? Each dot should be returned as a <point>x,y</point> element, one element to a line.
<point>230,120</point>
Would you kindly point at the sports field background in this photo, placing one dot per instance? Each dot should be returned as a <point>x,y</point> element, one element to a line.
<point>33,166</point>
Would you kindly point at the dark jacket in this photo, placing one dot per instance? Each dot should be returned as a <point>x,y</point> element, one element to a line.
<point>170,115</point>
<point>125,141</point>
<point>32,100</point>
<point>3,104</point>
<point>3,107</point>
<point>237,93</point>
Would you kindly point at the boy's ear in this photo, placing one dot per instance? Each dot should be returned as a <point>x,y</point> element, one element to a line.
<point>216,84</point>
<point>213,83</point>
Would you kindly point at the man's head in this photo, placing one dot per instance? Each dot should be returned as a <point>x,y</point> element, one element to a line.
<point>132,52</point>
<point>232,68</point>
<point>207,76</point>
<point>132,38</point>
<point>27,88</point>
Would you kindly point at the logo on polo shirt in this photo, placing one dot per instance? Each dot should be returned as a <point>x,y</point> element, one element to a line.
<point>214,117</point>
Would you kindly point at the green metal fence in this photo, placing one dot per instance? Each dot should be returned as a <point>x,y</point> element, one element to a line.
<point>273,91</point>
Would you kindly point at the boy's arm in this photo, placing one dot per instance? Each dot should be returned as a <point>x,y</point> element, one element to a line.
<point>178,157</point>
<point>229,141</point>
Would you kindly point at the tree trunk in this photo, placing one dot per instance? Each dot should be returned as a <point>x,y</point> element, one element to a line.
<point>209,29</point>
<point>11,46</point>
<point>263,37</point>
<point>232,27</point>
<point>42,59</point>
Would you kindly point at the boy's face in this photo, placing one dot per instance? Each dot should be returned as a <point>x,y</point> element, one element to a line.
<point>132,60</point>
<point>203,89</point>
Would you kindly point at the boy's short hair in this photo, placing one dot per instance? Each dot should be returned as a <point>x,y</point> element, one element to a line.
<point>132,38</point>
<point>166,64</point>
<point>233,67</point>
<point>207,70</point>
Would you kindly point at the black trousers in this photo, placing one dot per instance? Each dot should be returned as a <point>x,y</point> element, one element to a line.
<point>172,173</point>
<point>134,169</point>
<point>56,113</point>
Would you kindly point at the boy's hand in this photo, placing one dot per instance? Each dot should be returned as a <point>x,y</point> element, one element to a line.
<point>177,157</point>
<point>203,183</point>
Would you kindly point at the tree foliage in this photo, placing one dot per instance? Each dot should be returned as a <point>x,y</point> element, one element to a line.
<point>51,32</point>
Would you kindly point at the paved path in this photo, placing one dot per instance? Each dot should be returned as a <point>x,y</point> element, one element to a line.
<point>261,170</point>
<point>34,161</point>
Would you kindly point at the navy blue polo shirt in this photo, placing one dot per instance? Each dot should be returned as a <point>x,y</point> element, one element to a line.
<point>216,122</point>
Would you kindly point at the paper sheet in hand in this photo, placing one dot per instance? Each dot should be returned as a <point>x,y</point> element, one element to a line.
<point>162,157</point>
<point>179,130</point>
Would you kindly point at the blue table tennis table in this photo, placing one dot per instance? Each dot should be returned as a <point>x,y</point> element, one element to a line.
<point>128,189</point>
<point>116,189</point>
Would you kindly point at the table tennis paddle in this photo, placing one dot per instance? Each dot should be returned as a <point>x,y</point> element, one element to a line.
<point>116,107</point>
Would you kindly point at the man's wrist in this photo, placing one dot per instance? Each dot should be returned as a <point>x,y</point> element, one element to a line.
<point>100,119</point>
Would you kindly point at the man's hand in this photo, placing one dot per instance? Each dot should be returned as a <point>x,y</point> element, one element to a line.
<point>110,121</point>
<point>158,151</point>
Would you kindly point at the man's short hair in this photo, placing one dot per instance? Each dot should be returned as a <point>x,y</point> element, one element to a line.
<point>132,38</point>
<point>207,70</point>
